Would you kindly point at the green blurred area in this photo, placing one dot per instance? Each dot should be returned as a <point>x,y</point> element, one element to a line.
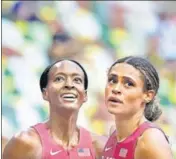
<point>103,32</point>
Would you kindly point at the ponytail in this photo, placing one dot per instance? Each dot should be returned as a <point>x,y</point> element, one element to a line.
<point>152,110</point>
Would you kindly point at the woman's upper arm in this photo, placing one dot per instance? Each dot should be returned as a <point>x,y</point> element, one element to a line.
<point>4,141</point>
<point>21,146</point>
<point>153,145</point>
<point>98,142</point>
<point>112,129</point>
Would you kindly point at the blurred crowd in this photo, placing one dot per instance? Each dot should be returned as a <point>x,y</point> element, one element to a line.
<point>95,33</point>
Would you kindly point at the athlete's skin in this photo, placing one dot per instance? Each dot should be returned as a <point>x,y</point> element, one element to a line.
<point>64,77</point>
<point>126,83</point>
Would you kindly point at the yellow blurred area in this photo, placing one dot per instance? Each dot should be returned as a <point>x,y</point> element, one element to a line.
<point>98,126</point>
<point>47,14</point>
<point>117,36</point>
<point>22,26</point>
<point>7,4</point>
<point>35,34</point>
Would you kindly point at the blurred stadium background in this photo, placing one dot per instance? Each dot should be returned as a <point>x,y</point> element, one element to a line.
<point>34,34</point>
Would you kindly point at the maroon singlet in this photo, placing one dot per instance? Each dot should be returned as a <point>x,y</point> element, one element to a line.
<point>126,148</point>
<point>50,150</point>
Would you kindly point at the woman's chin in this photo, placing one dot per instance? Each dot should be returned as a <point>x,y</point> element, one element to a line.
<point>115,111</point>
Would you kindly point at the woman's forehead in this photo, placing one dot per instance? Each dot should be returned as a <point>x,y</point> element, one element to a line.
<point>67,67</point>
<point>124,69</point>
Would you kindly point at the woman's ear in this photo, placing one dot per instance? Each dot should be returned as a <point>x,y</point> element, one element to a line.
<point>45,94</point>
<point>85,96</point>
<point>149,95</point>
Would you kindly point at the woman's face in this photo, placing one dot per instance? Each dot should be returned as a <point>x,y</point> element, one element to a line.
<point>124,92</point>
<point>65,88</point>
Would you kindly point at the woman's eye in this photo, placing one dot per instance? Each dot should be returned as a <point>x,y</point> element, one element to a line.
<point>78,80</point>
<point>112,80</point>
<point>129,84</point>
<point>59,79</point>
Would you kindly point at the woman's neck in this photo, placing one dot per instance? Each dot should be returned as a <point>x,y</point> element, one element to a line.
<point>63,128</point>
<point>125,127</point>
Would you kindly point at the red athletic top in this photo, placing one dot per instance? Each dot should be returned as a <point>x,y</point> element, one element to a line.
<point>126,148</point>
<point>51,150</point>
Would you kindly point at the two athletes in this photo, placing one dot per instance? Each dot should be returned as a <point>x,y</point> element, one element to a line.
<point>130,95</point>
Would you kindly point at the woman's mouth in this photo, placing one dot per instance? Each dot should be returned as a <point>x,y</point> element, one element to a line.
<point>115,100</point>
<point>69,97</point>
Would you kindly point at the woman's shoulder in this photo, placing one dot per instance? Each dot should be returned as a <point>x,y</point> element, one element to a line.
<point>23,143</point>
<point>153,144</point>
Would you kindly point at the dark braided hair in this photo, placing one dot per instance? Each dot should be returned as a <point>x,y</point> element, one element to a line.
<point>151,82</point>
<point>44,76</point>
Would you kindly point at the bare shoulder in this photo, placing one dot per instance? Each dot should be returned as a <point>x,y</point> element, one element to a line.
<point>112,129</point>
<point>153,144</point>
<point>25,144</point>
<point>98,142</point>
<point>4,141</point>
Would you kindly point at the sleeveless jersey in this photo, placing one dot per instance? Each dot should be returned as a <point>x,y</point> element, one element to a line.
<point>126,148</point>
<point>51,150</point>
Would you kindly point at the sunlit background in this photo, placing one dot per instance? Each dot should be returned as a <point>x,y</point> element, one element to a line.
<point>34,34</point>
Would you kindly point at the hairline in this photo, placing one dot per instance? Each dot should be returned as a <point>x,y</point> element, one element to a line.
<point>62,61</point>
<point>48,69</point>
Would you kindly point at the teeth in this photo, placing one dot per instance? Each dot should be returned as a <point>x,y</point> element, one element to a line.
<point>69,96</point>
<point>69,99</point>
